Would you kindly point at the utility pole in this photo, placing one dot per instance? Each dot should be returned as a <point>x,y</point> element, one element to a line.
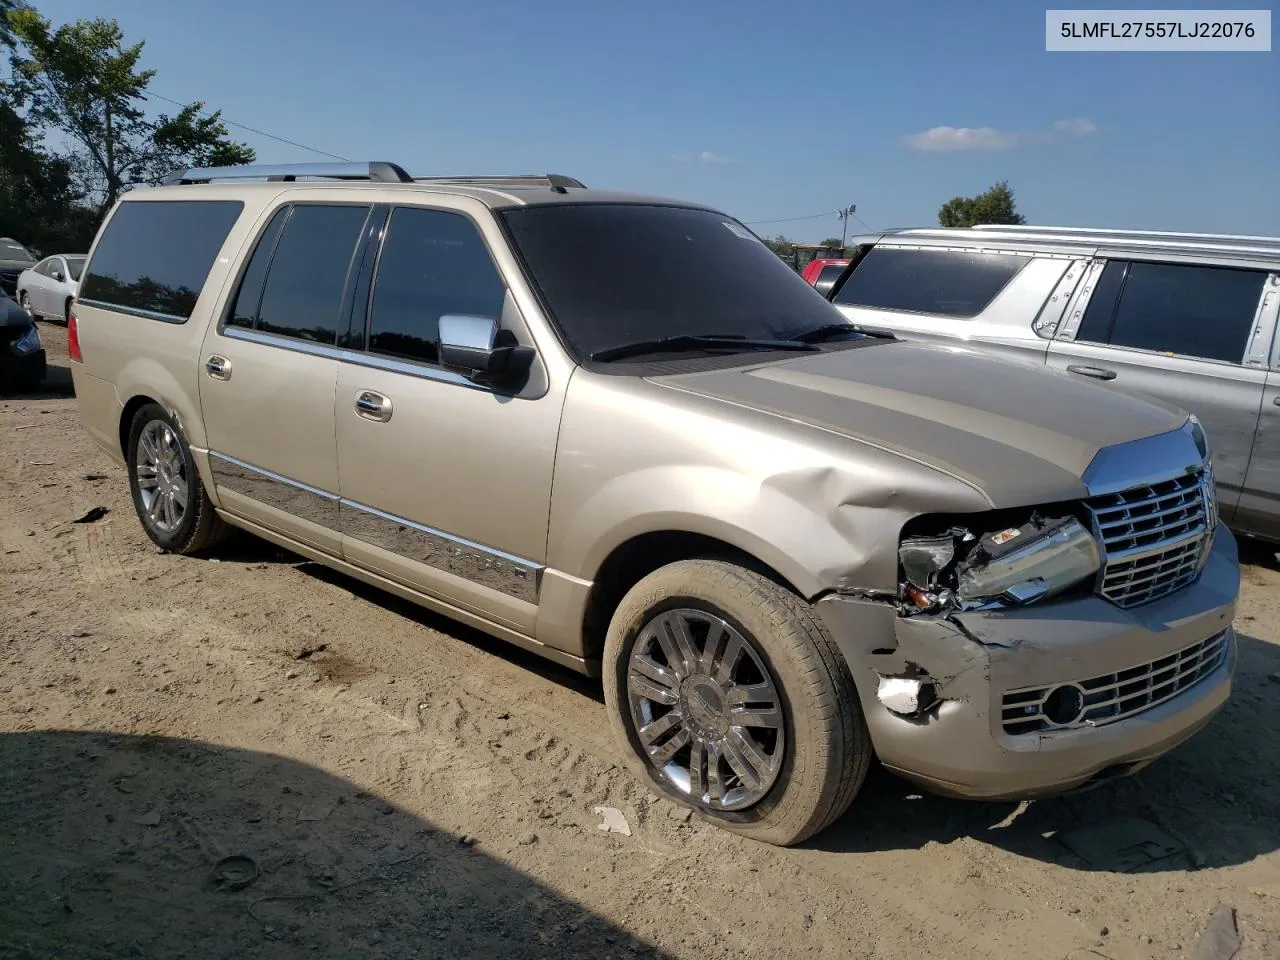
<point>844,213</point>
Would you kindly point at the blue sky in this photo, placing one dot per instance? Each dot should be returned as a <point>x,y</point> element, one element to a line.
<point>767,110</point>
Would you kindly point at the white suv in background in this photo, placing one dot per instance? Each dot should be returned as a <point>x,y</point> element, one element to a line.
<point>1187,318</point>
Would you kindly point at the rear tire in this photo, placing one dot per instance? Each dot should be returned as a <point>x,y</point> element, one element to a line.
<point>24,301</point>
<point>171,502</point>
<point>779,785</point>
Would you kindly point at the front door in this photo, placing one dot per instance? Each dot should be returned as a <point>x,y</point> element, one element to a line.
<point>446,484</point>
<point>268,372</point>
<point>1178,332</point>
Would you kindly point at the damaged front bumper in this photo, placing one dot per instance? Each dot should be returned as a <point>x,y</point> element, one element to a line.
<point>1145,678</point>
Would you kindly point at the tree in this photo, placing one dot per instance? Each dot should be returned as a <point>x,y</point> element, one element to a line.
<point>83,80</point>
<point>834,242</point>
<point>994,206</point>
<point>783,247</point>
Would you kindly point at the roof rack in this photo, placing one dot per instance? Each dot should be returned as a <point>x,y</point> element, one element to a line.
<point>1169,235</point>
<point>556,181</point>
<point>378,171</point>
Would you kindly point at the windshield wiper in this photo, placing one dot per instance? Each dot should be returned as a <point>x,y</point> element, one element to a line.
<point>830,331</point>
<point>686,341</point>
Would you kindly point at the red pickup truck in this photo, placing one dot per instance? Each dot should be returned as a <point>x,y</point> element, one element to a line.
<point>822,273</point>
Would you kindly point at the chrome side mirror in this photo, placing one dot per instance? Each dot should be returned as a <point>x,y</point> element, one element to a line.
<point>480,346</point>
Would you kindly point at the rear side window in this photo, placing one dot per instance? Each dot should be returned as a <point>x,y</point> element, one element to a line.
<point>1192,311</point>
<point>154,256</point>
<point>946,282</point>
<point>827,277</point>
<point>433,263</point>
<point>307,275</point>
<point>244,312</point>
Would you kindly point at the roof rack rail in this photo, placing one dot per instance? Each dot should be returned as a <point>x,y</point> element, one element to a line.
<point>378,171</point>
<point>556,181</point>
<point>1118,232</point>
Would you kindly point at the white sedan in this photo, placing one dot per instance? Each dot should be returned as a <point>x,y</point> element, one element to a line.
<point>46,289</point>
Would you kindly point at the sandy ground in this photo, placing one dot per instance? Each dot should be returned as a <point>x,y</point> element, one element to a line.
<point>405,787</point>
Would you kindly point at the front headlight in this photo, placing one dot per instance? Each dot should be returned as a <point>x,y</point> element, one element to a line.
<point>29,342</point>
<point>1055,555</point>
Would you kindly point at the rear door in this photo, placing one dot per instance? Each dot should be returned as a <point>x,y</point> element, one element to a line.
<point>984,299</point>
<point>269,368</point>
<point>1259,509</point>
<point>1181,332</point>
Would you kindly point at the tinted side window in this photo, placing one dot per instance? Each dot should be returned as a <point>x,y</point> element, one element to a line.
<point>302,296</point>
<point>244,312</point>
<point>433,263</point>
<point>928,281</point>
<point>1193,311</point>
<point>827,277</point>
<point>1096,324</point>
<point>155,256</point>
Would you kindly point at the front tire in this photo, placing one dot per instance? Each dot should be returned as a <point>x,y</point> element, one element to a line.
<point>171,502</point>
<point>728,695</point>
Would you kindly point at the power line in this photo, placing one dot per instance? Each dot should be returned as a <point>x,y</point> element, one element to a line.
<point>825,213</point>
<point>261,133</point>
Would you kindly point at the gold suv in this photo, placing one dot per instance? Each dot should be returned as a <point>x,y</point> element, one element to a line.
<point>618,431</point>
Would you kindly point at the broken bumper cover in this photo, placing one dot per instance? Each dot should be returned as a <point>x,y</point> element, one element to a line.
<point>960,744</point>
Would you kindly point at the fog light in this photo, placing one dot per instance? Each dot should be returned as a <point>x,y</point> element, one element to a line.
<point>905,695</point>
<point>1064,705</point>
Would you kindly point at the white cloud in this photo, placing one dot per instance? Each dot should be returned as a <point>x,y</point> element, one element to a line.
<point>706,156</point>
<point>1078,127</point>
<point>947,139</point>
<point>939,139</point>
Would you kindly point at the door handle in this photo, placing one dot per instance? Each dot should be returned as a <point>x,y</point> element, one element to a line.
<point>1098,373</point>
<point>373,406</point>
<point>218,367</point>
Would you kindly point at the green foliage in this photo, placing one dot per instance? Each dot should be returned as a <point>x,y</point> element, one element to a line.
<point>783,247</point>
<point>834,242</point>
<point>82,80</point>
<point>994,206</point>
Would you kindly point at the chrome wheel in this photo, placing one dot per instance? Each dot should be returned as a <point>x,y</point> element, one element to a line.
<point>24,301</point>
<point>705,709</point>
<point>162,477</point>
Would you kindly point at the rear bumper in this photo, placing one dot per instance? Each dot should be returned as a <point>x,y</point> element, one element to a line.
<point>960,745</point>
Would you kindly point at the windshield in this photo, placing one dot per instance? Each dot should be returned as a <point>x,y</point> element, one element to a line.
<point>614,274</point>
<point>12,250</point>
<point>76,266</point>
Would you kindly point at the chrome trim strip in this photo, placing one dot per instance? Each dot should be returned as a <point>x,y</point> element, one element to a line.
<point>1137,463</point>
<point>354,357</point>
<point>486,566</point>
<point>133,311</point>
<point>391,365</point>
<point>463,558</point>
<point>273,490</point>
<point>284,343</point>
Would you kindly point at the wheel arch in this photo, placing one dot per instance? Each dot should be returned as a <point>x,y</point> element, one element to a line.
<point>639,555</point>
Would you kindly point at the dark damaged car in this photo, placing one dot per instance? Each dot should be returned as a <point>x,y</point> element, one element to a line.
<point>22,359</point>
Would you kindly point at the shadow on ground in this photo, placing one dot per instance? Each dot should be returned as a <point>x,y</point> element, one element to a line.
<point>110,846</point>
<point>57,385</point>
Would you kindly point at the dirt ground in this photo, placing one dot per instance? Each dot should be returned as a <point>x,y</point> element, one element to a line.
<point>390,784</point>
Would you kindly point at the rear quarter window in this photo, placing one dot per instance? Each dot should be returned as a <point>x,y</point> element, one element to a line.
<point>154,256</point>
<point>946,282</point>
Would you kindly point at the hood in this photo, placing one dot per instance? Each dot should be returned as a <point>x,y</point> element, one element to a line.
<point>16,266</point>
<point>1019,433</point>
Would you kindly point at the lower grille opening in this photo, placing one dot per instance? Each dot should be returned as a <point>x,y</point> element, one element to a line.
<point>1112,696</point>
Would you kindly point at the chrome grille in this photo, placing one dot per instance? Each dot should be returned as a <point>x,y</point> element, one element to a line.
<point>1153,537</point>
<point>1118,696</point>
